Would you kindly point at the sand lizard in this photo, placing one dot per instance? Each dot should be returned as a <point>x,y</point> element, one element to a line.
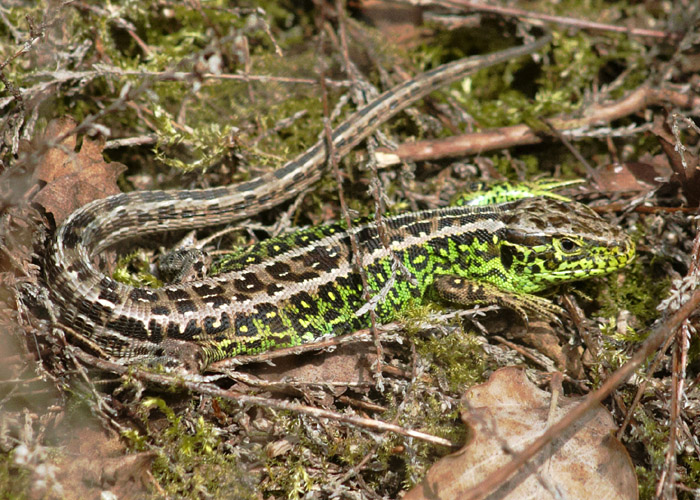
<point>298,287</point>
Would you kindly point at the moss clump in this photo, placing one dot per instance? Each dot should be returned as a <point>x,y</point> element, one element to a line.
<point>654,438</point>
<point>192,460</point>
<point>455,359</point>
<point>134,269</point>
<point>637,293</point>
<point>14,480</point>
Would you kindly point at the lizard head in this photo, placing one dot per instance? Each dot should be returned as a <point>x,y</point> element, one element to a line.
<point>548,242</point>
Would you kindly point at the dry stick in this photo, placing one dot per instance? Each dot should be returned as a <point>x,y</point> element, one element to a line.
<point>375,184</point>
<point>376,191</point>
<point>568,21</point>
<point>667,482</point>
<point>60,76</point>
<point>643,209</point>
<point>528,355</point>
<point>116,18</point>
<point>641,389</point>
<point>200,385</point>
<point>656,339</point>
<point>249,86</point>
<point>591,172</point>
<point>128,142</point>
<point>519,135</point>
<point>35,35</point>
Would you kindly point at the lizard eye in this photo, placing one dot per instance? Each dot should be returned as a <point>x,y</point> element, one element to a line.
<point>568,245</point>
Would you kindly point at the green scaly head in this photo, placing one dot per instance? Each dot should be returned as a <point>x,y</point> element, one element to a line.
<point>545,242</point>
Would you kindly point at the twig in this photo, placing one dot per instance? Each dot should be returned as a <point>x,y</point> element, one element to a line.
<point>128,142</point>
<point>60,76</point>
<point>643,386</point>
<point>590,171</point>
<point>659,335</point>
<point>566,21</point>
<point>666,487</point>
<point>354,241</point>
<point>202,385</point>
<point>519,135</point>
<point>35,35</point>
<point>667,481</point>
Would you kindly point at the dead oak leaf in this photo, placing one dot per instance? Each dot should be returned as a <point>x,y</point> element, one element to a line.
<point>93,463</point>
<point>73,178</point>
<point>508,413</point>
<point>320,377</point>
<point>631,176</point>
<point>400,23</point>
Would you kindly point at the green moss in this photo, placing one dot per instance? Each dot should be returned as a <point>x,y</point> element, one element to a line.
<point>647,482</point>
<point>207,142</point>
<point>172,40</point>
<point>427,410</point>
<point>529,166</point>
<point>14,480</point>
<point>494,98</point>
<point>312,450</point>
<point>636,293</point>
<point>691,464</point>
<point>455,359</point>
<point>654,439</point>
<point>292,477</point>
<point>134,269</point>
<point>192,461</point>
<point>395,462</point>
<point>694,350</point>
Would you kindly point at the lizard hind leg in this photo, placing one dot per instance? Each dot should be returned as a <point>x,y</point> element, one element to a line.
<point>184,265</point>
<point>464,291</point>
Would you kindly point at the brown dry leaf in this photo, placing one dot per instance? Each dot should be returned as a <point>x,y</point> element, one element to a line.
<point>73,178</point>
<point>689,174</point>
<point>347,364</point>
<point>94,462</point>
<point>587,462</point>
<point>628,176</point>
<point>399,23</point>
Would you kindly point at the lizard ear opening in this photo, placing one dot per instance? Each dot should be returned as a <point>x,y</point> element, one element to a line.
<point>506,256</point>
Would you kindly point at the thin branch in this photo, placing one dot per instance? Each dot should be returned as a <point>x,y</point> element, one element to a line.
<point>659,335</point>
<point>519,135</point>
<point>561,20</point>
<point>203,385</point>
<point>174,76</point>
